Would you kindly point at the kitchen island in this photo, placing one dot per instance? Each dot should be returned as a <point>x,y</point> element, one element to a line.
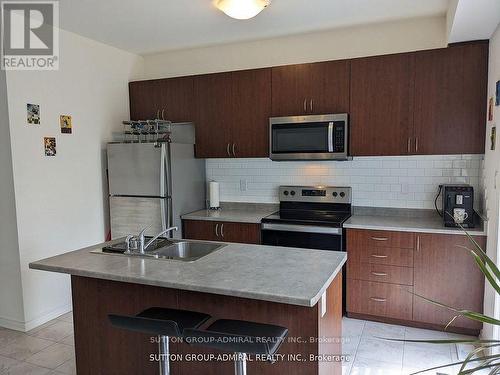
<point>297,288</point>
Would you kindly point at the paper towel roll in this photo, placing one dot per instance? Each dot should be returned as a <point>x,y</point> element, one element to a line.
<point>213,194</point>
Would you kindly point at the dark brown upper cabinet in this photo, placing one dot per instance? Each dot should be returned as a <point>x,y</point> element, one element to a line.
<point>214,111</point>
<point>170,98</point>
<point>380,117</point>
<point>306,89</point>
<point>232,116</point>
<point>145,99</point>
<point>421,103</point>
<point>251,111</point>
<point>450,99</point>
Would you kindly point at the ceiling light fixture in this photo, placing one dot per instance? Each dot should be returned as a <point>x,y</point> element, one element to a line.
<point>242,9</point>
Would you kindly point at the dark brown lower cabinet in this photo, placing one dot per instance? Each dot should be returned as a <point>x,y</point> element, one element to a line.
<point>447,273</point>
<point>223,231</point>
<point>380,299</point>
<point>384,282</point>
<point>102,349</point>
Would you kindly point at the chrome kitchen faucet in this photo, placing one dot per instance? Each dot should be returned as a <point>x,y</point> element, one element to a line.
<point>141,238</point>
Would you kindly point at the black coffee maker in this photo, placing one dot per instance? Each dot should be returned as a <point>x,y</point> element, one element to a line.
<point>458,206</point>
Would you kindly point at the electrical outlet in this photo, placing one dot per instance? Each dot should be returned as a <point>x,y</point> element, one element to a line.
<point>243,185</point>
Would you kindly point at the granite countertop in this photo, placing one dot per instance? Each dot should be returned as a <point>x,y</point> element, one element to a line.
<point>235,212</point>
<point>276,274</point>
<point>406,220</point>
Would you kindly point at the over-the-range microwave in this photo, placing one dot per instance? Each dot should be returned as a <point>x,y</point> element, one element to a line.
<point>316,137</point>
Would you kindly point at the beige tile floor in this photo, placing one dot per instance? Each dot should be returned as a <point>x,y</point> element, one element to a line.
<point>46,350</point>
<point>370,355</point>
<point>49,349</point>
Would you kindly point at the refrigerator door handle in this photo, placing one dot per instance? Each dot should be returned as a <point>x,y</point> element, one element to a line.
<point>163,171</point>
<point>170,214</point>
<point>163,212</point>
<point>168,169</point>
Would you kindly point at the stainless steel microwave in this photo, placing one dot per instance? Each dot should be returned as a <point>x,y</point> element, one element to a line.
<point>319,137</point>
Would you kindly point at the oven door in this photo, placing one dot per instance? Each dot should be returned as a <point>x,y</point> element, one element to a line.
<point>309,137</point>
<point>303,236</point>
<point>308,237</point>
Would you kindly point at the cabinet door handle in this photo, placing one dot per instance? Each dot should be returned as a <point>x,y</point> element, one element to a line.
<point>311,104</point>
<point>379,238</point>
<point>416,144</point>
<point>163,113</point>
<point>227,150</point>
<point>217,230</point>
<point>234,149</point>
<point>379,256</point>
<point>409,145</point>
<point>378,299</point>
<point>305,105</point>
<point>379,274</point>
<point>418,243</point>
<point>222,230</point>
<point>158,114</point>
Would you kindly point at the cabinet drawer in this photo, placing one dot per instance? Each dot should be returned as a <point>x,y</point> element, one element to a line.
<point>379,299</point>
<point>380,238</point>
<point>390,256</point>
<point>380,272</point>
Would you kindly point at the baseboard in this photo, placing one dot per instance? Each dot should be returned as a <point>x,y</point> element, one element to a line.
<point>412,323</point>
<point>13,324</point>
<point>27,326</point>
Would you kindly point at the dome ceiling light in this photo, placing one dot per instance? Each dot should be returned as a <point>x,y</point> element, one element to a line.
<point>242,9</point>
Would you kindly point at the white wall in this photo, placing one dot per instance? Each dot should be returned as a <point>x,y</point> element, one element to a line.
<point>491,188</point>
<point>61,201</point>
<point>11,306</point>
<point>404,182</point>
<point>375,39</point>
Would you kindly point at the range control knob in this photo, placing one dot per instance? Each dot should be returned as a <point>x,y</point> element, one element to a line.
<point>335,194</point>
<point>292,193</point>
<point>285,192</point>
<point>342,194</point>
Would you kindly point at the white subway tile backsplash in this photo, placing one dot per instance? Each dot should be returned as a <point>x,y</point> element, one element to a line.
<point>460,164</point>
<point>399,181</point>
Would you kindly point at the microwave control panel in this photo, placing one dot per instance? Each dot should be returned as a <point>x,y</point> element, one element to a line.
<point>338,137</point>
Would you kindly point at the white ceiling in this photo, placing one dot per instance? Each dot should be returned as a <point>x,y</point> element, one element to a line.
<point>474,19</point>
<point>148,26</point>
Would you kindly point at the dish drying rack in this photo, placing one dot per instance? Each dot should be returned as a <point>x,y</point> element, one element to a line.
<point>147,130</point>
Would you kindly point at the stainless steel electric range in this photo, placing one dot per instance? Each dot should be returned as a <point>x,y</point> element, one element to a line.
<point>309,217</point>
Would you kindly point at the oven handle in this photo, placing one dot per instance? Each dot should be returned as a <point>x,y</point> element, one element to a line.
<point>301,228</point>
<point>330,137</point>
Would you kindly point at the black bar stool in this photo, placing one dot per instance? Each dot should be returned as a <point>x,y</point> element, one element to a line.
<point>162,322</point>
<point>241,338</point>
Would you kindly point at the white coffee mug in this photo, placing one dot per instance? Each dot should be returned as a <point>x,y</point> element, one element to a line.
<point>459,215</point>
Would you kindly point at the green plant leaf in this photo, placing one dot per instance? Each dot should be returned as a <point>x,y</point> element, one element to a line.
<point>495,357</point>
<point>476,351</point>
<point>479,261</point>
<point>490,262</point>
<point>476,369</point>
<point>467,313</point>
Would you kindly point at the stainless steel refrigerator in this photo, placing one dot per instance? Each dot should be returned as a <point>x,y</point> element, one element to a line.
<point>153,185</point>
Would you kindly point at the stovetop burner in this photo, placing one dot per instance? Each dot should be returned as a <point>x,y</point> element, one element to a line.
<point>324,206</point>
<point>307,217</point>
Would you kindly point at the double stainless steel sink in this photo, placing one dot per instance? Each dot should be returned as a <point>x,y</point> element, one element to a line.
<point>166,249</point>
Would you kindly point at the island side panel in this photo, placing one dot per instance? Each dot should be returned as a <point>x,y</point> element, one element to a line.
<point>330,330</point>
<point>302,323</point>
<point>102,349</point>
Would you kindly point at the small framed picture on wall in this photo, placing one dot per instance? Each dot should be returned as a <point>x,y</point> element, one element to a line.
<point>497,101</point>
